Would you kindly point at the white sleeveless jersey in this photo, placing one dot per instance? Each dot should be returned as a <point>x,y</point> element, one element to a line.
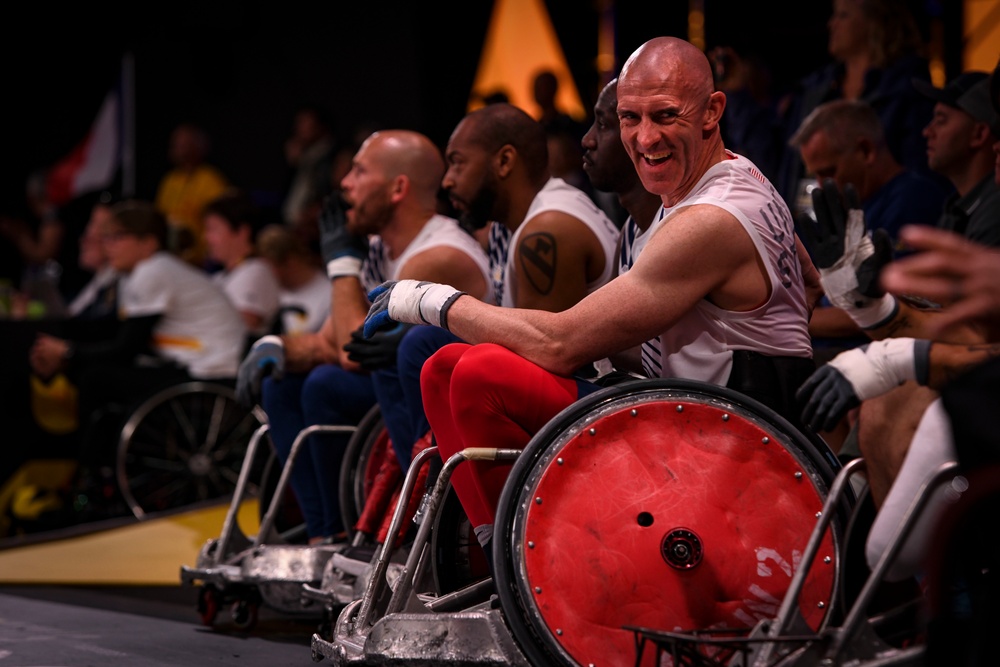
<point>440,230</point>
<point>199,327</point>
<point>700,345</point>
<point>560,196</point>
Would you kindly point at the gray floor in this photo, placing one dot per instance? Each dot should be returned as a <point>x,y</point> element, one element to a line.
<point>137,627</point>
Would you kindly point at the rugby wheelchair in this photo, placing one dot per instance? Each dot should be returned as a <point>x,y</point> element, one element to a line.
<point>273,566</point>
<point>652,522</point>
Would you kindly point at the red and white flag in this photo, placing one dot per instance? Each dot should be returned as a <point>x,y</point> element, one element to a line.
<point>94,162</point>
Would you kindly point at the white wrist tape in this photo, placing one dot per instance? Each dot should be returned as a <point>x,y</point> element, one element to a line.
<point>878,367</point>
<point>269,339</point>
<point>875,313</point>
<point>417,302</point>
<point>840,281</point>
<point>343,266</point>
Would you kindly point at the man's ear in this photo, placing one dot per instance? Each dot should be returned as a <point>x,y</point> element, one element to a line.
<point>713,114</point>
<point>981,134</point>
<point>867,149</point>
<point>400,186</point>
<point>506,158</point>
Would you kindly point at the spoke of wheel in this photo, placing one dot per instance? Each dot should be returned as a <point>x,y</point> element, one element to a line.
<point>185,423</point>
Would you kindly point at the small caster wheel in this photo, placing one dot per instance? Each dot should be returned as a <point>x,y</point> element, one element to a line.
<point>244,613</point>
<point>209,601</point>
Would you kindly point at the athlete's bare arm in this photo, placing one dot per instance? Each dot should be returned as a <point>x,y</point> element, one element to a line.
<point>701,252</point>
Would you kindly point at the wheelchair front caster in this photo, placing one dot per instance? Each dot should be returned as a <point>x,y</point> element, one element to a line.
<point>209,601</point>
<point>244,613</point>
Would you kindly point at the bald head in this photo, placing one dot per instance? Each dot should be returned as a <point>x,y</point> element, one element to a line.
<point>404,152</point>
<point>678,65</point>
<point>669,113</point>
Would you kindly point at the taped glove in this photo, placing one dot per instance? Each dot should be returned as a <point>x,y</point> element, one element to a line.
<point>266,357</point>
<point>379,351</point>
<point>343,252</point>
<point>859,374</point>
<point>848,260</point>
<point>410,302</point>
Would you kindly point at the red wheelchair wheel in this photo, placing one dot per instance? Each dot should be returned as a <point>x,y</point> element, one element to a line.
<point>362,459</point>
<point>664,504</point>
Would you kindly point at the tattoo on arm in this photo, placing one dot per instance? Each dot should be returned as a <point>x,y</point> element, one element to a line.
<point>538,257</point>
<point>902,323</point>
<point>979,354</point>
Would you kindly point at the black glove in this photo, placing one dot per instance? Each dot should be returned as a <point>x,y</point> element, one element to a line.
<point>827,396</point>
<point>827,237</point>
<point>871,269</point>
<point>379,351</point>
<point>343,252</point>
<point>847,257</point>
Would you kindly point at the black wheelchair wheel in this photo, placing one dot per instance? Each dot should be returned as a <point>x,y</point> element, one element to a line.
<point>666,504</point>
<point>183,445</point>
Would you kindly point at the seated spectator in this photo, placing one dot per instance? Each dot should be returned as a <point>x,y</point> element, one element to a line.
<point>309,152</point>
<point>876,49</point>
<point>190,183</point>
<point>304,296</point>
<point>176,326</point>
<point>386,226</point>
<point>844,140</point>
<point>98,300</point>
<point>231,222</point>
<point>960,138</point>
<point>738,319</point>
<point>93,316</point>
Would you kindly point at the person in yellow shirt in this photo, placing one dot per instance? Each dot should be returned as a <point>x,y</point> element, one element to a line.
<point>186,188</point>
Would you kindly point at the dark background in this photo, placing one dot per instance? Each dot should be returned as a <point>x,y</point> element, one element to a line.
<point>241,68</point>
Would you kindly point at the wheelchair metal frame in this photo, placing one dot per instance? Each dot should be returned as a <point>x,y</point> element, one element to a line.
<point>380,627</point>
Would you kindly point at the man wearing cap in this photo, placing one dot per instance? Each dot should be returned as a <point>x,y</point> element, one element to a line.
<point>960,140</point>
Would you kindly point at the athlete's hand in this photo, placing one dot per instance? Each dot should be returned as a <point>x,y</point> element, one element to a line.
<point>379,351</point>
<point>266,357</point>
<point>343,252</point>
<point>859,374</point>
<point>410,302</point>
<point>848,260</point>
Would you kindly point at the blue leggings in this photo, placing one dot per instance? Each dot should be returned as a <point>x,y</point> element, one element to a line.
<point>326,395</point>
<point>398,389</point>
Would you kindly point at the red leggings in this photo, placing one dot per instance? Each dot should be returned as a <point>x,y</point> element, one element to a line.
<point>487,396</point>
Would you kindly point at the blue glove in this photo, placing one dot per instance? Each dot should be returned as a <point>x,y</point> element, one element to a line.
<point>266,357</point>
<point>343,252</point>
<point>379,351</point>
<point>410,302</point>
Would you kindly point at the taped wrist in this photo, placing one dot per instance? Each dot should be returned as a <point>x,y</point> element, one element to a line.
<point>427,301</point>
<point>270,339</point>
<point>877,313</point>
<point>879,366</point>
<point>343,266</point>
